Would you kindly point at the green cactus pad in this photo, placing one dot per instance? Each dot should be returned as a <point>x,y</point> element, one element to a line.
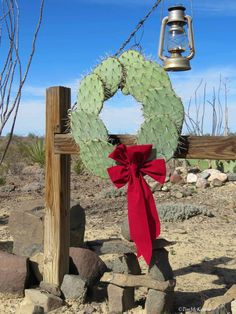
<point>164,101</point>
<point>111,73</point>
<point>94,155</point>
<point>91,94</point>
<point>86,126</point>
<point>161,132</point>
<point>149,84</point>
<point>129,57</point>
<point>142,76</point>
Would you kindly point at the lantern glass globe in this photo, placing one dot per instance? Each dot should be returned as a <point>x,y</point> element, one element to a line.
<point>177,39</point>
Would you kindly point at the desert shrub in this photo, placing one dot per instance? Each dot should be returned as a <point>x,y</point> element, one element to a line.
<point>78,166</point>
<point>35,151</point>
<point>3,173</point>
<point>2,180</point>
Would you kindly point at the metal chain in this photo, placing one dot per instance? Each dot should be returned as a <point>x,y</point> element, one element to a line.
<point>139,25</point>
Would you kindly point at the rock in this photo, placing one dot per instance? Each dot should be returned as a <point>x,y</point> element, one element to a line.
<point>182,170</point>
<point>165,188</point>
<point>13,274</point>
<point>231,176</point>
<point>231,292</point>
<point>36,264</point>
<point>202,183</point>
<point>217,305</point>
<point>233,307</point>
<point>191,178</point>
<point>211,171</point>
<point>120,299</point>
<point>126,280</point>
<point>126,264</point>
<point>216,183</point>
<point>204,175</point>
<point>29,308</point>
<point>156,187</point>
<point>7,188</point>
<point>26,226</point>
<point>176,178</point>
<point>187,192</point>
<point>167,179</point>
<point>47,301</point>
<point>87,264</point>
<point>216,174</point>
<point>73,287</point>
<point>125,229</point>
<point>159,267</point>
<point>193,169</point>
<point>33,170</point>
<point>89,309</point>
<point>32,187</point>
<point>178,195</point>
<point>158,302</point>
<point>111,247</point>
<point>51,288</point>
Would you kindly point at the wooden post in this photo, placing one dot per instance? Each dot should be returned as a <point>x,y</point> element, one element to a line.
<point>57,189</point>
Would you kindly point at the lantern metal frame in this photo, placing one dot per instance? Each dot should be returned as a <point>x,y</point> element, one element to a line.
<point>176,62</point>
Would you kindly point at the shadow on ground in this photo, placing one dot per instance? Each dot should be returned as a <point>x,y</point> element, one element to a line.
<point>194,300</point>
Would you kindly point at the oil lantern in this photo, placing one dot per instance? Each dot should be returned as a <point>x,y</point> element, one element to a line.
<point>177,38</point>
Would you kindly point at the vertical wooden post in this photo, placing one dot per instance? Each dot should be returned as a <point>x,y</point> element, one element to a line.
<point>57,189</point>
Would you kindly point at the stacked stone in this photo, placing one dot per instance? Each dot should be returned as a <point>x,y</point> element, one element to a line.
<point>126,274</point>
<point>159,269</point>
<point>121,299</point>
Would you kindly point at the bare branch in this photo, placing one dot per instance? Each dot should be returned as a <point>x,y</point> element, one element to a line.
<point>12,72</point>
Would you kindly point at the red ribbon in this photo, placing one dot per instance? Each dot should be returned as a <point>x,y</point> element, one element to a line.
<point>132,165</point>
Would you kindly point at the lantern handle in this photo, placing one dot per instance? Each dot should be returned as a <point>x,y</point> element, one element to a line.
<point>190,35</point>
<point>161,39</point>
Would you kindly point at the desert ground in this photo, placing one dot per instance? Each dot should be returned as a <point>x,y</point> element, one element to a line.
<point>203,258</point>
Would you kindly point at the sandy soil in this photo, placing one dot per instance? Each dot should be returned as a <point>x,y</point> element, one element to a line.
<point>203,259</point>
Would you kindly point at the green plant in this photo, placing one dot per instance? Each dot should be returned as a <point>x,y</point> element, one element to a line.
<point>78,166</point>
<point>3,173</point>
<point>32,135</point>
<point>180,212</point>
<point>35,151</point>
<point>2,180</point>
<point>110,72</point>
<point>149,84</point>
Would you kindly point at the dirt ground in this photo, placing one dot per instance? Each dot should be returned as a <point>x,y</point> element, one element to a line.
<point>203,259</point>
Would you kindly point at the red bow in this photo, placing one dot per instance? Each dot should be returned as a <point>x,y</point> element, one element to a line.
<point>144,222</point>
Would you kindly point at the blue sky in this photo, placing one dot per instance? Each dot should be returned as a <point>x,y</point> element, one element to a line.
<point>75,34</point>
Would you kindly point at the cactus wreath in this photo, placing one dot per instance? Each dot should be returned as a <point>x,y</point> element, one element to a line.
<point>149,84</point>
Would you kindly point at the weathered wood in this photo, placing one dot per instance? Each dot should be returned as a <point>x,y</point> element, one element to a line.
<point>57,189</point>
<point>192,147</point>
<point>124,280</point>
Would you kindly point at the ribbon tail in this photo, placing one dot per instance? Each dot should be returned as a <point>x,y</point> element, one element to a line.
<point>143,218</point>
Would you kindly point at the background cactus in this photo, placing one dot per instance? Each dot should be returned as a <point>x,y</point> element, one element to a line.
<point>179,212</point>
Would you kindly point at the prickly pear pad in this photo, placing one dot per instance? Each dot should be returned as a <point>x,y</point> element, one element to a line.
<point>150,85</point>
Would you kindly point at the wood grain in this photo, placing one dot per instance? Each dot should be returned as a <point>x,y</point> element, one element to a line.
<point>191,147</point>
<point>57,189</point>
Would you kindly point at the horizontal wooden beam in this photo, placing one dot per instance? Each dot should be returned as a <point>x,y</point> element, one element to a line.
<point>191,147</point>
